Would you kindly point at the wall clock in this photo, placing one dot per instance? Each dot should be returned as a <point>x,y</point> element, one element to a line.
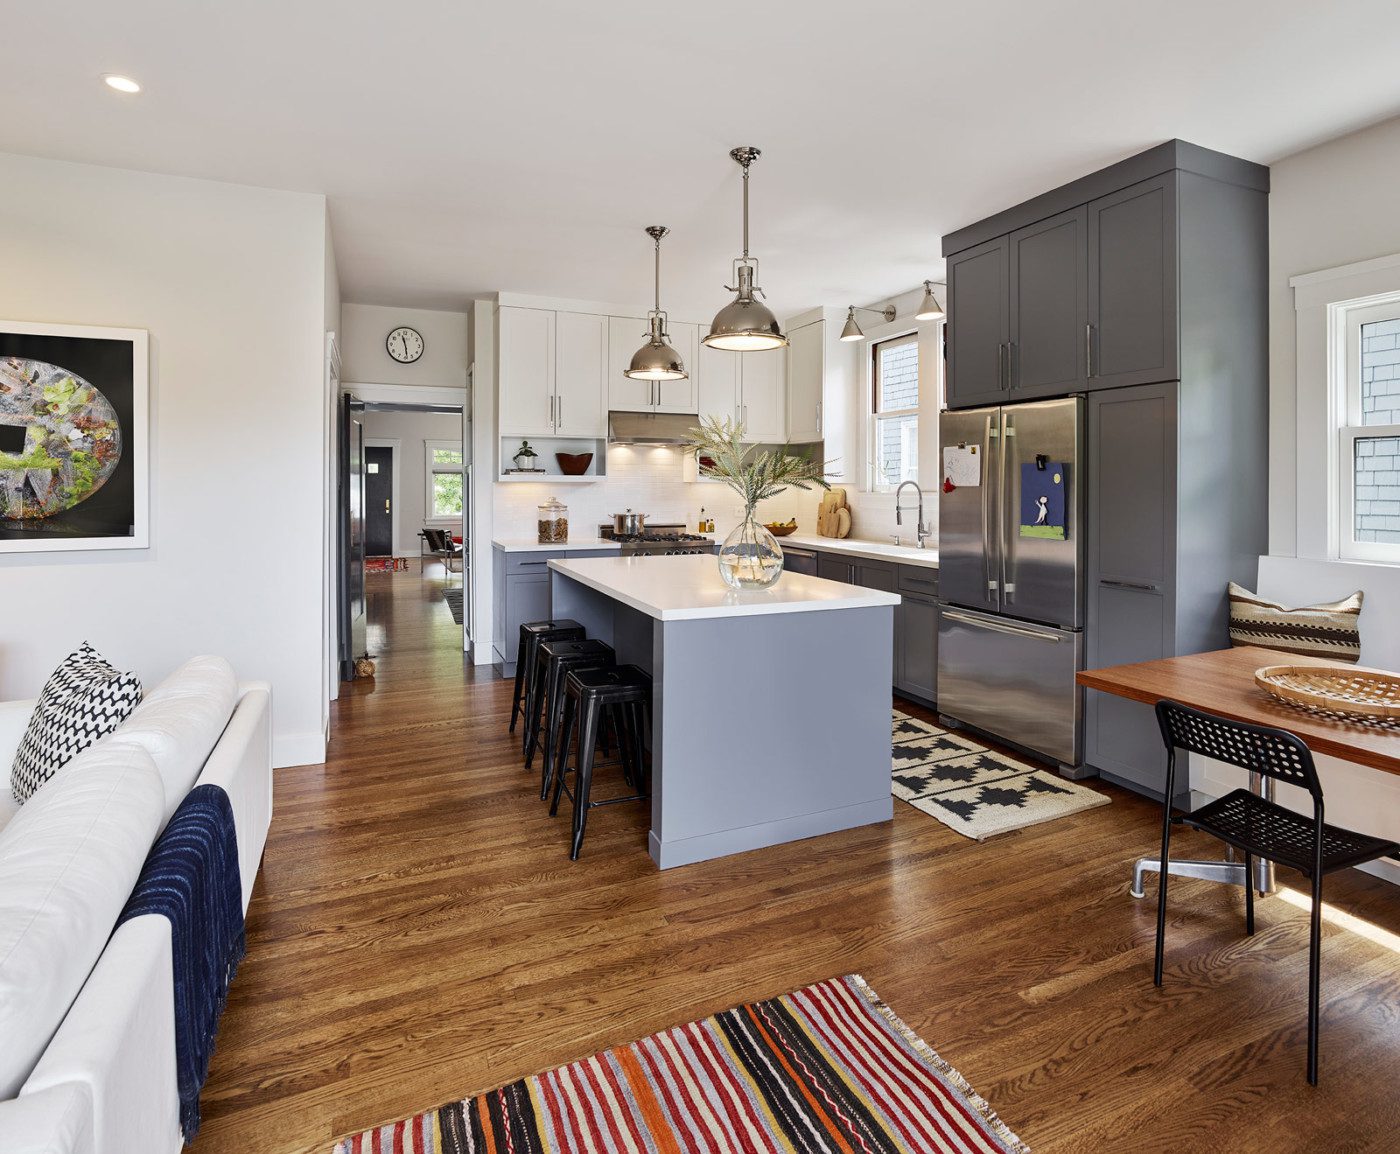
<point>404,344</point>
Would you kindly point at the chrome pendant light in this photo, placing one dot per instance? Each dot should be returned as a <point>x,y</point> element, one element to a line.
<point>929,308</point>
<point>745,324</point>
<point>656,360</point>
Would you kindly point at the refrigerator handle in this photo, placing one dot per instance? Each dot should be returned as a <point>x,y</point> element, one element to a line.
<point>1008,462</point>
<point>989,436</point>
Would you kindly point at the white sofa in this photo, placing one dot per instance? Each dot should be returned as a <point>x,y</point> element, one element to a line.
<point>87,1015</point>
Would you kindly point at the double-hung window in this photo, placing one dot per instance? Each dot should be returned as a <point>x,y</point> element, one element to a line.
<point>894,427</point>
<point>444,479</point>
<point>1367,362</point>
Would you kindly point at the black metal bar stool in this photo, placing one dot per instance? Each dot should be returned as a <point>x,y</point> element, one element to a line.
<point>531,634</point>
<point>553,660</point>
<point>588,694</point>
<point>1259,827</point>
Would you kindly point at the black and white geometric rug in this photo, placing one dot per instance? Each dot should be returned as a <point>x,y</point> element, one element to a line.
<point>975,790</point>
<point>453,599</point>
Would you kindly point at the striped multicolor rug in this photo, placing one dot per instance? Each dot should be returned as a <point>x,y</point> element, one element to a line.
<point>828,1068</point>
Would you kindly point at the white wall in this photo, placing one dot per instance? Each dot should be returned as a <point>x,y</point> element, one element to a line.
<point>364,358</point>
<point>410,430</point>
<point>872,513</point>
<point>231,284</point>
<point>1331,205</point>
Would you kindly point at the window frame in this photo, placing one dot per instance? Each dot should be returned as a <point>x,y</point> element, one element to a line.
<point>876,415</point>
<point>1348,319</point>
<point>431,470</point>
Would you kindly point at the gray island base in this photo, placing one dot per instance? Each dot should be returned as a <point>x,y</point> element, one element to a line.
<point>771,708</point>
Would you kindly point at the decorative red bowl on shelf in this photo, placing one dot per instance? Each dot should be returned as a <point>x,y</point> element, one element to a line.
<point>574,464</point>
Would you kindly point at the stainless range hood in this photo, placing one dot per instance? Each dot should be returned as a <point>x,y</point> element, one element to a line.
<point>651,428</point>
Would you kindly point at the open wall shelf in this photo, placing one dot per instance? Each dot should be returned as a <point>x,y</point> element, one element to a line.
<point>546,448</point>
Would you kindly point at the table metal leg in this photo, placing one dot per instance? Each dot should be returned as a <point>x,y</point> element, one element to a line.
<point>1229,871</point>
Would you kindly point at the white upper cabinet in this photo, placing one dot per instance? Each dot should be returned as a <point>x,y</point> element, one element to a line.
<point>581,366</point>
<point>762,395</point>
<point>806,374</point>
<point>680,396</point>
<point>525,355</point>
<point>625,336</point>
<point>717,371</point>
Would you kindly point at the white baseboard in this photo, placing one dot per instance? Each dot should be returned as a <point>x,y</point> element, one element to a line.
<point>298,749</point>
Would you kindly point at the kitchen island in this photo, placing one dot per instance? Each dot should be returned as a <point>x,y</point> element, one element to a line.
<point>771,708</point>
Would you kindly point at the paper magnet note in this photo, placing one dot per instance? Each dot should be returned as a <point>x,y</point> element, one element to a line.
<point>962,466</point>
<point>1043,500</point>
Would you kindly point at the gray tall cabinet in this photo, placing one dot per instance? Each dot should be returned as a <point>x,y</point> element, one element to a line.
<point>1142,286</point>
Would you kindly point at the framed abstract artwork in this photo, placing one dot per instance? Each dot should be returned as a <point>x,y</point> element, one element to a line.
<point>74,432</point>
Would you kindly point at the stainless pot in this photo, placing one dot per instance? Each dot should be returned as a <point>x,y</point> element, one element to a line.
<point>629,524</point>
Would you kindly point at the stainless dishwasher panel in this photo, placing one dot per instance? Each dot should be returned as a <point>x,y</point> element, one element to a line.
<point>1013,680</point>
<point>799,560</point>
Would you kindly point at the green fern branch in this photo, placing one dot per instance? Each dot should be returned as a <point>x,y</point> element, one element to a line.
<point>757,479</point>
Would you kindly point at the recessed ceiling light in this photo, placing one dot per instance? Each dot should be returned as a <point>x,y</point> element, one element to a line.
<point>122,84</point>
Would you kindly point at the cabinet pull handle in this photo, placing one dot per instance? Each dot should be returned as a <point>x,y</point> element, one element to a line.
<point>819,416</point>
<point>1011,381</point>
<point>1088,350</point>
<point>559,412</point>
<point>551,410</point>
<point>1144,586</point>
<point>1001,365</point>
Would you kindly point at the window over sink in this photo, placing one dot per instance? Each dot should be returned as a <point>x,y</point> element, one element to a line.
<point>894,427</point>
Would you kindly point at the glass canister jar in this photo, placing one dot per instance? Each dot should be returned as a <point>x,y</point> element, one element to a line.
<point>553,522</point>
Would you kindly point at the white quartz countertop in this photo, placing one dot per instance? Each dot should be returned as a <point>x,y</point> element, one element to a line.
<point>689,587</point>
<point>876,550</point>
<point>530,545</point>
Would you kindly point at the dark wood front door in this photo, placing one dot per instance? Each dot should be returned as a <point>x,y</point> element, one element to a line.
<point>379,487</point>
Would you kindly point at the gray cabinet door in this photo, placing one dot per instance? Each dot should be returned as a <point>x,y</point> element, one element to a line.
<point>1049,308</point>
<point>877,575</point>
<point>835,568</point>
<point>1133,285</point>
<point>978,325</point>
<point>1132,569</point>
<point>917,674</point>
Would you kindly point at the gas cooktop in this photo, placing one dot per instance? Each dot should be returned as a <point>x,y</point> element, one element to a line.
<point>662,540</point>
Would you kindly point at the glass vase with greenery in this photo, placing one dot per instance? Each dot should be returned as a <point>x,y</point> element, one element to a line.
<point>750,557</point>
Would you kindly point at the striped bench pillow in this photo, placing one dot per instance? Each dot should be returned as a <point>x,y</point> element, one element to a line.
<point>1331,629</point>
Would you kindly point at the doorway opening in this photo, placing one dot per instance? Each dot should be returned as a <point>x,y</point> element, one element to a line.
<point>406,528</point>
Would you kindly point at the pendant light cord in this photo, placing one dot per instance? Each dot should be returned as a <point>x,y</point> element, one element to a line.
<point>658,274</point>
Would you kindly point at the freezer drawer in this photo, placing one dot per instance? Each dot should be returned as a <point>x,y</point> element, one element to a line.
<point>1013,680</point>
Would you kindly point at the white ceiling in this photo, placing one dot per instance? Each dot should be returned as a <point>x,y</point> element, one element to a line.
<point>523,146</point>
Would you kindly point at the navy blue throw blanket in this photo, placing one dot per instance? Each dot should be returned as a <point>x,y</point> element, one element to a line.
<point>191,877</point>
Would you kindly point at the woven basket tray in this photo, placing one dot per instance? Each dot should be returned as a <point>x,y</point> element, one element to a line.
<point>1371,694</point>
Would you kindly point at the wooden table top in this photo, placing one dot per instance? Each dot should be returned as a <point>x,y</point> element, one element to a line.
<point>1222,682</point>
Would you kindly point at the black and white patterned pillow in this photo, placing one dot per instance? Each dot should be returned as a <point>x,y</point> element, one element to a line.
<point>84,699</point>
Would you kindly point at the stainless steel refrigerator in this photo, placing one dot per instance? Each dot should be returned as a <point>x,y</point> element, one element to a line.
<point>1011,573</point>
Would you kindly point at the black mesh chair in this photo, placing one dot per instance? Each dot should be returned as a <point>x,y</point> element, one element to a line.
<point>1258,827</point>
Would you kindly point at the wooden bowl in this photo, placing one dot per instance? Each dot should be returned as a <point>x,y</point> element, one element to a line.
<point>781,530</point>
<point>574,464</point>
<point>1349,690</point>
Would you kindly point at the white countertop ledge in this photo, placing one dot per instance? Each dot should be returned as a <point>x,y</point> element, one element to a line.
<point>525,545</point>
<point>689,588</point>
<point>875,550</point>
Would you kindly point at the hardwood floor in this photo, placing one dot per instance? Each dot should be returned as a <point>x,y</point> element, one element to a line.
<point>418,934</point>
